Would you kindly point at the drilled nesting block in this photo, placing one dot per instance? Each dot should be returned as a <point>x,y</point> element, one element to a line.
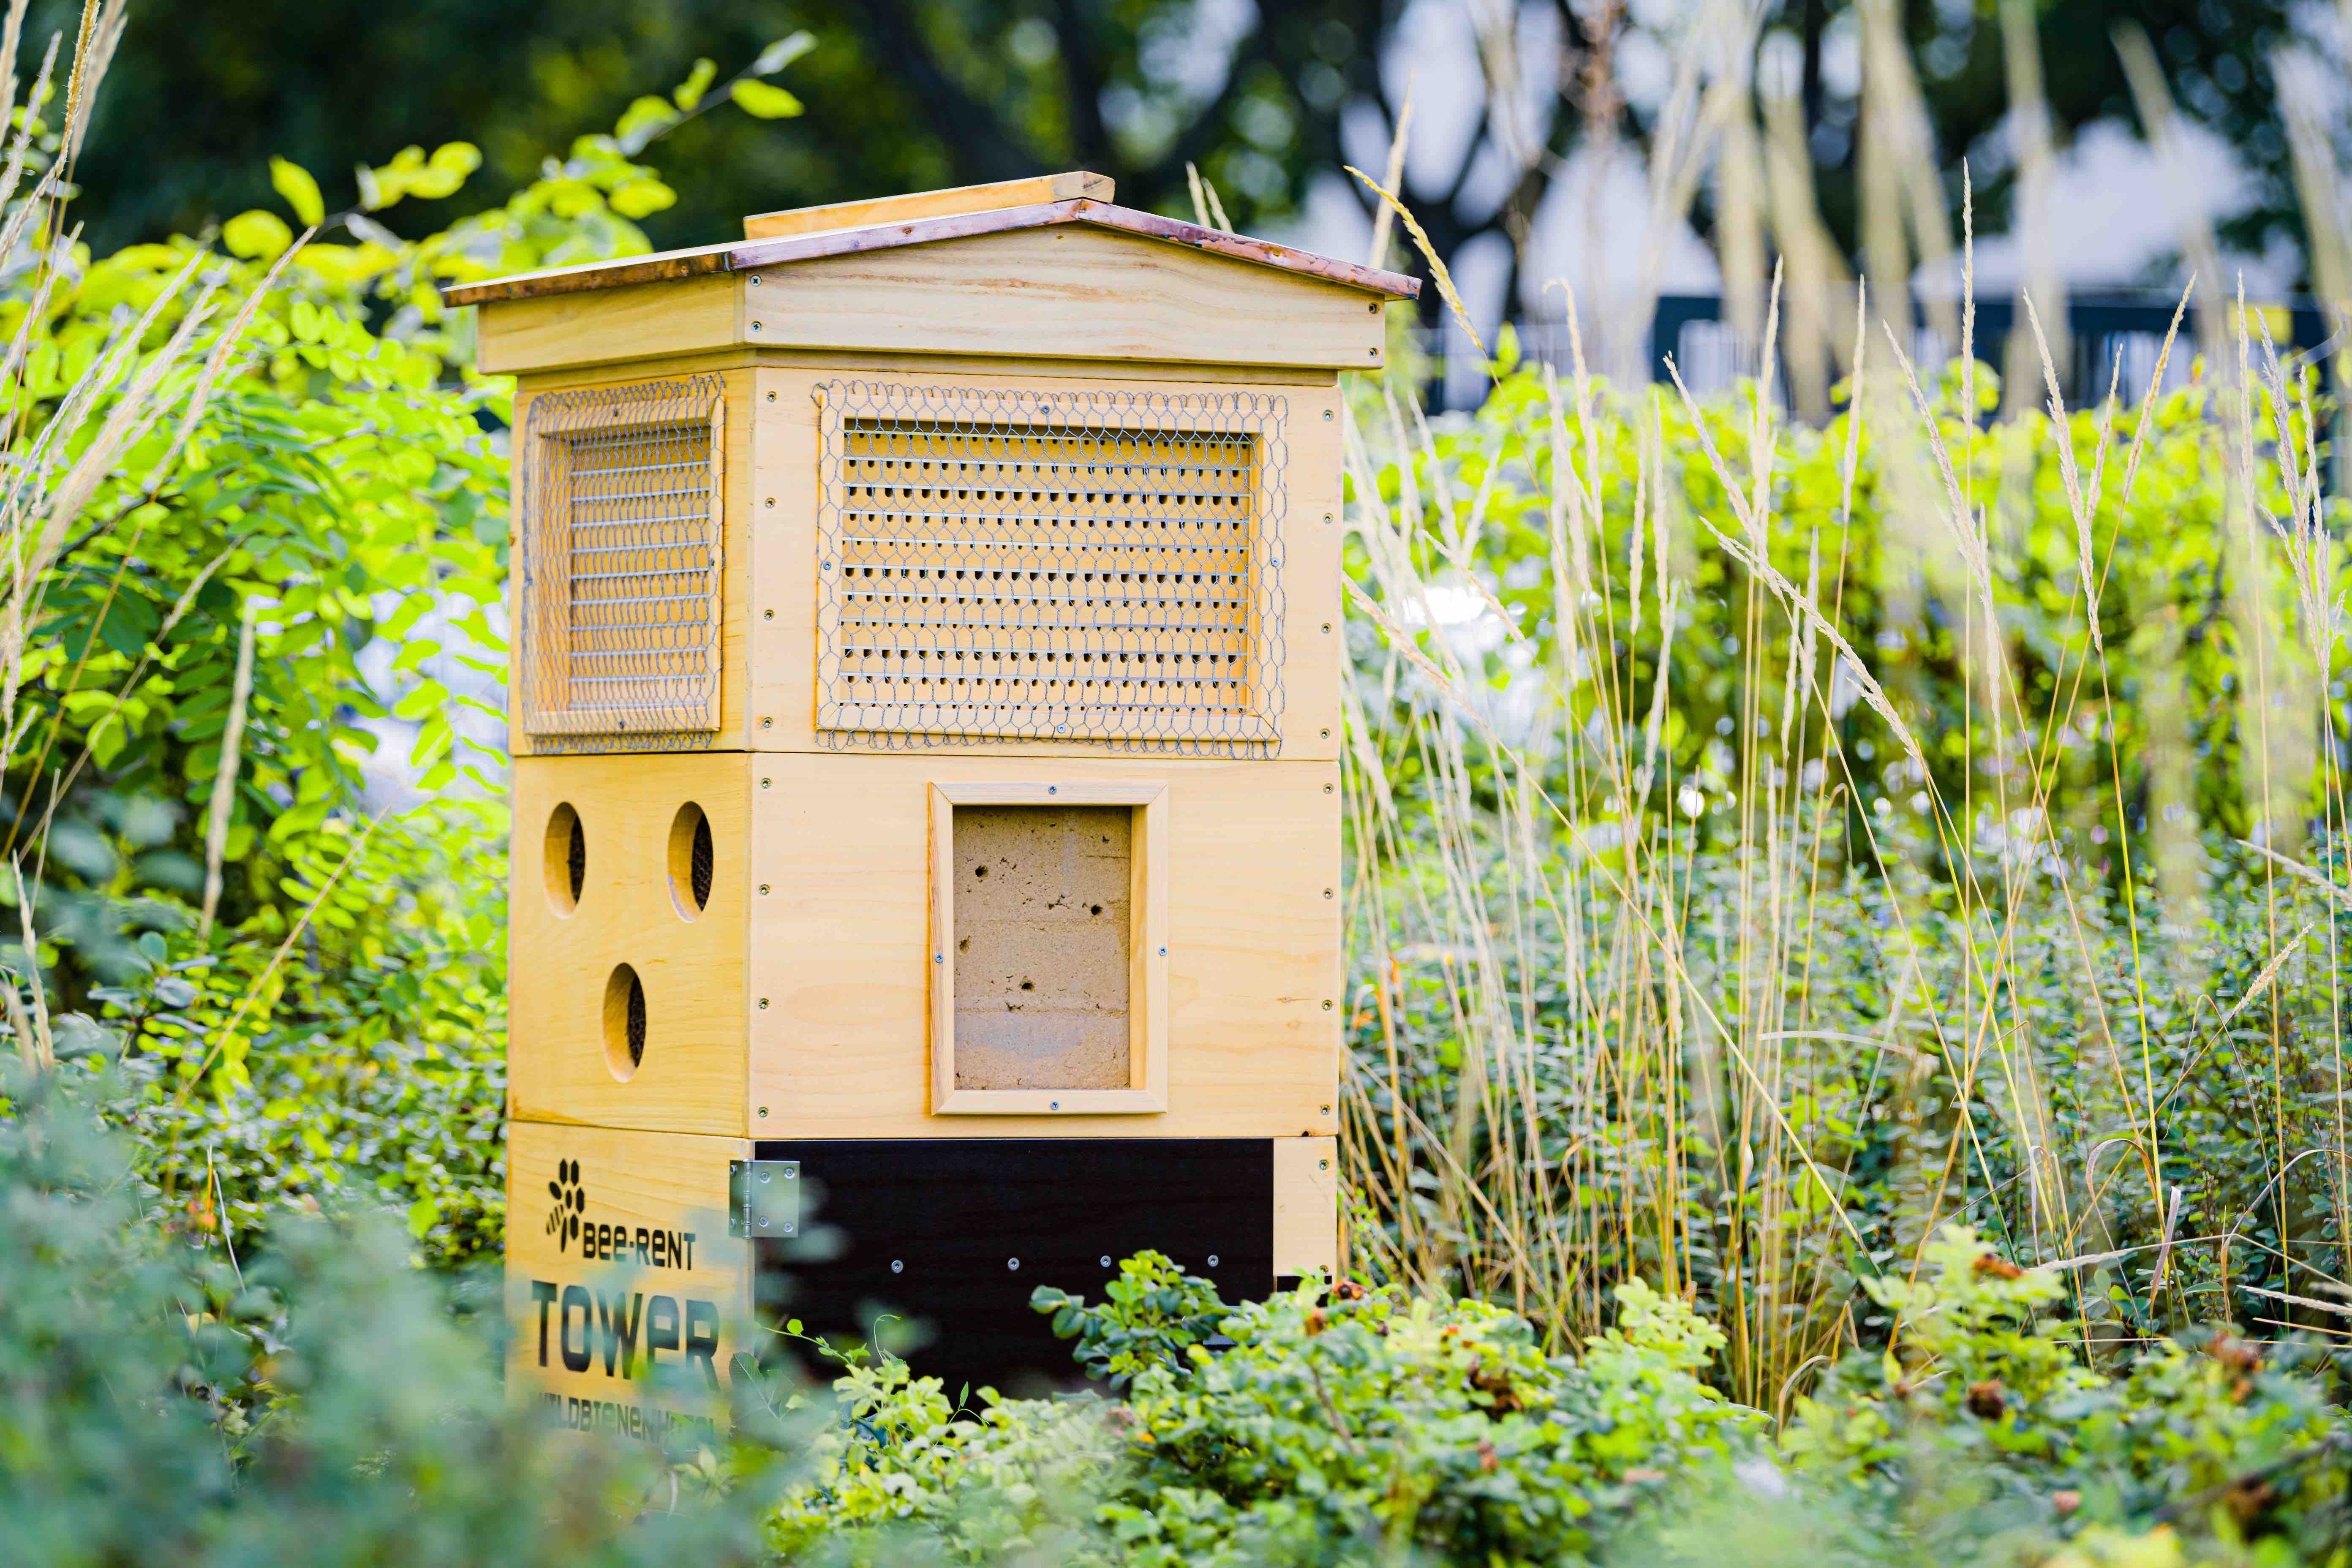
<point>1042,946</point>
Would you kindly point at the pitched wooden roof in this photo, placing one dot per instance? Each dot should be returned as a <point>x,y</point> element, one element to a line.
<point>745,255</point>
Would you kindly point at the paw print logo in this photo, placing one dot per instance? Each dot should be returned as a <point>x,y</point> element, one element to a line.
<point>570,1200</point>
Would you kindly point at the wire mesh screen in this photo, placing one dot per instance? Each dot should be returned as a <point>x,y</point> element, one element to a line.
<point>1100,567</point>
<point>621,566</point>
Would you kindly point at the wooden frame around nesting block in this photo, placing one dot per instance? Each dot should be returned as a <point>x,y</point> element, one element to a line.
<point>1069,1022</point>
<point>925,701</point>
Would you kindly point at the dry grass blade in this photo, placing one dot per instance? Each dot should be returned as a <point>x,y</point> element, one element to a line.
<point>1437,270</point>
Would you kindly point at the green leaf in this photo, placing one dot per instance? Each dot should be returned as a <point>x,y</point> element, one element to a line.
<point>301,192</point>
<point>423,1214</point>
<point>256,235</point>
<point>784,52</point>
<point>764,101</point>
<point>635,199</point>
<point>698,82</point>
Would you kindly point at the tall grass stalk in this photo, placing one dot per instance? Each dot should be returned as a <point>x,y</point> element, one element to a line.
<point>1598,999</point>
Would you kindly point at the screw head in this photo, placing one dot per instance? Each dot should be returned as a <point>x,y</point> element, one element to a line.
<point>1327,413</point>
<point>764,889</point>
<point>1326,788</point>
<point>791,1229</point>
<point>763,1007</point>
<point>763,1181</point>
<point>763,784</point>
<point>770,723</point>
<point>1326,625</point>
<point>1327,1003</point>
<point>772,501</point>
<point>1327,892</point>
<point>755,326</point>
<point>1052,1105</point>
<point>755,283</point>
<point>1212,1260</point>
<point>771,614</point>
<point>771,396</point>
<point>763,1113</point>
<point>1322,1165</point>
<point>898,1266</point>
<point>1326,1110</point>
<point>1012,1265</point>
<point>764,1222</point>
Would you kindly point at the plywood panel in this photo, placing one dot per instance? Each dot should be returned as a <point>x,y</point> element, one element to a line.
<point>783,498</point>
<point>1306,1205</point>
<point>644,321</point>
<point>839,947</point>
<point>692,1074</point>
<point>627,1299</point>
<point>1091,293</point>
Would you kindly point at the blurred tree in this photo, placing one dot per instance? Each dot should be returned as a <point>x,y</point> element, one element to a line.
<point>905,94</point>
<point>901,94</point>
<point>2216,52</point>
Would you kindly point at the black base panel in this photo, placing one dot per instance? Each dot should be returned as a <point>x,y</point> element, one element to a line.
<point>957,1214</point>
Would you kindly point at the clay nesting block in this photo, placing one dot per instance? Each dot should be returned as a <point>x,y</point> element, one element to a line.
<point>1041,956</point>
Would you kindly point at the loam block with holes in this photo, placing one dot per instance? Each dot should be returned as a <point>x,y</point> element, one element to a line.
<point>925,708</point>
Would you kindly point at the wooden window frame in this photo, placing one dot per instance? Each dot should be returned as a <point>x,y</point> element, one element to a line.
<point>1147,984</point>
<point>548,710</point>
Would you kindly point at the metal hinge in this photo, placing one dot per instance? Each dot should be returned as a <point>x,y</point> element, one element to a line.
<point>763,1198</point>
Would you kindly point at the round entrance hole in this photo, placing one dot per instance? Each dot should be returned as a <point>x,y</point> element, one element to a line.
<point>625,1023</point>
<point>693,861</point>
<point>564,859</point>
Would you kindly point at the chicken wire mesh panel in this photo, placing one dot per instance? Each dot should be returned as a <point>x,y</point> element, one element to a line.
<point>1099,568</point>
<point>621,566</point>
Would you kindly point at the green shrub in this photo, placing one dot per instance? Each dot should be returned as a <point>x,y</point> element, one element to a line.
<point>1375,1426</point>
<point>329,1403</point>
<point>1316,1429</point>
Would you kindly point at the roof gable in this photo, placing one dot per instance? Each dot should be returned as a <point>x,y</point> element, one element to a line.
<point>754,255</point>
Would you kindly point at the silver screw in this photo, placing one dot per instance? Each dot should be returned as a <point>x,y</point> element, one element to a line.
<point>791,1229</point>
<point>763,1181</point>
<point>764,1222</point>
<point>1212,1260</point>
<point>763,1007</point>
<point>1013,1264</point>
<point>898,1266</point>
<point>1105,1260</point>
<point>1052,1105</point>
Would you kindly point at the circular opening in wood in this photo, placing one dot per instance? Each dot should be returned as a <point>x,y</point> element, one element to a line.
<point>625,1023</point>
<point>565,859</point>
<point>692,860</point>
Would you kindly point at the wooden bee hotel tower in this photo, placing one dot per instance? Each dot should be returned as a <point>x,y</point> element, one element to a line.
<point>925,711</point>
